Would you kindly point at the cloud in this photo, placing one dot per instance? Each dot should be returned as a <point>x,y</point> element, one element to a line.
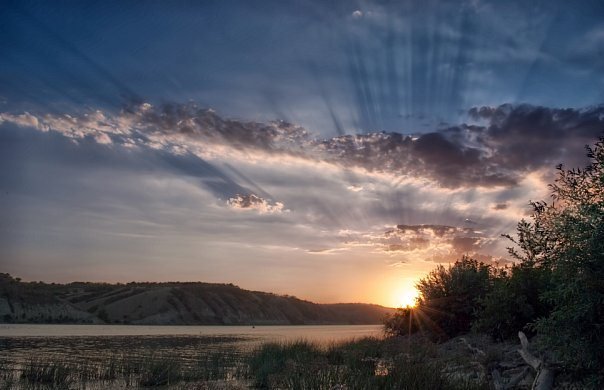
<point>428,242</point>
<point>188,120</point>
<point>256,203</point>
<point>498,148</point>
<point>377,198</point>
<point>525,137</point>
<point>24,120</point>
<point>103,139</point>
<point>354,188</point>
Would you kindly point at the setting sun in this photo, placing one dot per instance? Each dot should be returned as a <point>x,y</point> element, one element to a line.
<point>405,297</point>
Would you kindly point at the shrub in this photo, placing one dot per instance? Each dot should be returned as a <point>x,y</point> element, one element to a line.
<point>513,301</point>
<point>562,255</point>
<point>449,297</point>
<point>400,323</point>
<point>574,228</point>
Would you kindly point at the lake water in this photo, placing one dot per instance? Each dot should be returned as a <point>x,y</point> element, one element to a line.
<point>128,352</point>
<point>21,342</point>
<point>315,333</point>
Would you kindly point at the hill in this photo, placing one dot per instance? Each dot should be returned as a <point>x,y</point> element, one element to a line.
<point>170,303</point>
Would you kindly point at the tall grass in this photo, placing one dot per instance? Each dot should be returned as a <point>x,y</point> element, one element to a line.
<point>53,373</point>
<point>160,371</point>
<point>361,364</point>
<point>121,371</point>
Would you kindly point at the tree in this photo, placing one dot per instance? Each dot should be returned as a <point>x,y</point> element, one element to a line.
<point>566,238</point>
<point>513,302</point>
<point>449,296</point>
<point>448,301</point>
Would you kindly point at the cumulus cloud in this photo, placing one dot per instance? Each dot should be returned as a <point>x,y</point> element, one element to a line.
<point>256,203</point>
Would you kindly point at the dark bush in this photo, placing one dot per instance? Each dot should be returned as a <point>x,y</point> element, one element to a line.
<point>449,297</point>
<point>513,301</point>
<point>574,252</point>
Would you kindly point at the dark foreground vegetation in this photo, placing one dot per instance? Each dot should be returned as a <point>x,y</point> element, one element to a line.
<point>554,291</point>
<point>368,363</point>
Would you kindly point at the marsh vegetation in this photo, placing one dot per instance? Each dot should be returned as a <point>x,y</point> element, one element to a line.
<point>226,363</point>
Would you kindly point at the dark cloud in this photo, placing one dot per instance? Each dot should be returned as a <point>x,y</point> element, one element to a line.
<point>454,164</point>
<point>526,137</point>
<point>504,145</point>
<point>191,121</point>
<point>507,142</point>
<point>500,206</point>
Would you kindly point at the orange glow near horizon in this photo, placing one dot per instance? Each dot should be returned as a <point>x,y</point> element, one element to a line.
<point>404,297</point>
<point>397,289</point>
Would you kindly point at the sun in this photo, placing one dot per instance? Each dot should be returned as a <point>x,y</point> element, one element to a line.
<point>405,297</point>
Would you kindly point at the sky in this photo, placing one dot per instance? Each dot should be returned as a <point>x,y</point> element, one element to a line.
<point>332,150</point>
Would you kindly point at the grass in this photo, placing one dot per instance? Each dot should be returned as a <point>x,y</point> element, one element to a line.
<point>362,364</point>
<point>367,363</point>
<point>160,372</point>
<point>119,371</point>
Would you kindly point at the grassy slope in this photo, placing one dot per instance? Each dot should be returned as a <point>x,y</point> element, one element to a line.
<point>168,303</point>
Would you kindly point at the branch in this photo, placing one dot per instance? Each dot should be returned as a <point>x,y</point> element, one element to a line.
<point>544,380</point>
<point>474,350</point>
<point>526,355</point>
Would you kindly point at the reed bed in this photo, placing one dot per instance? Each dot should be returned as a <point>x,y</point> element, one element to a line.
<point>367,363</point>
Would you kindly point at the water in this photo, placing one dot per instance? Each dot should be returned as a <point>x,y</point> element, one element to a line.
<point>315,333</point>
<point>122,356</point>
<point>21,342</point>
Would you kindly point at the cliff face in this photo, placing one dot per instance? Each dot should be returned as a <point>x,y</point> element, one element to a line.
<point>169,303</point>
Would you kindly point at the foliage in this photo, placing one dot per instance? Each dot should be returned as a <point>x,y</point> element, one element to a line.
<point>513,301</point>
<point>450,296</point>
<point>367,363</point>
<point>573,250</point>
<point>400,323</point>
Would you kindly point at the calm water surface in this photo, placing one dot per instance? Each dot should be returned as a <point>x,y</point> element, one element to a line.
<point>317,333</point>
<point>21,342</point>
<point>91,350</point>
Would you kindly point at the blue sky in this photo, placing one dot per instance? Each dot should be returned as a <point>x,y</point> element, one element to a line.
<point>285,145</point>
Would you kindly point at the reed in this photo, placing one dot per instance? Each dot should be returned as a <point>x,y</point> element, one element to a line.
<point>358,364</point>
